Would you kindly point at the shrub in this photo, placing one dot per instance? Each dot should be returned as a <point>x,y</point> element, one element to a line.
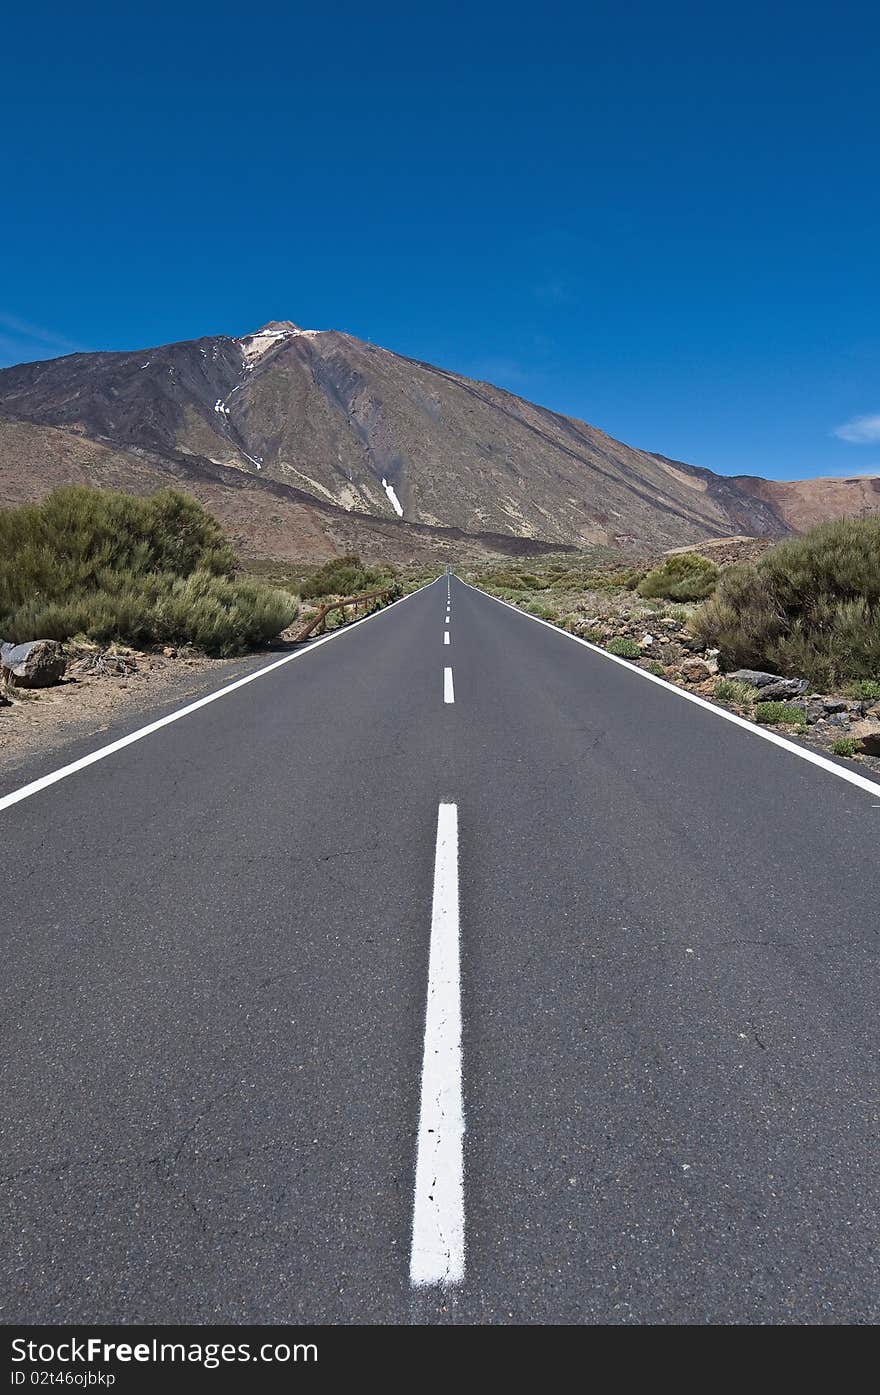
<point>866,688</point>
<point>685,577</point>
<point>656,669</point>
<point>844,746</point>
<point>811,606</point>
<point>728,690</point>
<point>114,567</point>
<point>624,648</point>
<point>632,578</point>
<point>772,713</point>
<point>344,576</point>
<point>543,612</point>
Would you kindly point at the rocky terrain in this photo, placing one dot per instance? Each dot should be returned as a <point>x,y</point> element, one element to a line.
<point>307,444</point>
<point>593,598</point>
<point>99,685</point>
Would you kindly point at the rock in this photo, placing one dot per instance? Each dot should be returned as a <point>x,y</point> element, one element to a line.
<point>711,657</point>
<point>815,711</point>
<point>833,704</point>
<point>168,652</point>
<point>37,664</point>
<point>867,734</point>
<point>783,689</point>
<point>646,641</point>
<point>669,622</point>
<point>695,670</point>
<point>771,688</point>
<point>755,676</point>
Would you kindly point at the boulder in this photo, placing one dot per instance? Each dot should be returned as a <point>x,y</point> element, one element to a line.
<point>838,719</point>
<point>867,734</point>
<point>783,689</point>
<point>755,676</point>
<point>695,670</point>
<point>771,687</point>
<point>37,664</point>
<point>835,710</point>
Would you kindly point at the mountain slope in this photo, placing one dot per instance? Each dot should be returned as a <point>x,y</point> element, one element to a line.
<point>375,434</point>
<point>263,517</point>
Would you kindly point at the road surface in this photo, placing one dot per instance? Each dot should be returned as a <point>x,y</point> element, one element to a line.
<point>428,979</point>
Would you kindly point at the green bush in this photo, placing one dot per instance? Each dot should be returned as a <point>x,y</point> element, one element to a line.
<point>844,746</point>
<point>138,570</point>
<point>656,669</point>
<point>685,577</point>
<point>623,648</point>
<point>866,688</point>
<point>772,713</point>
<point>344,576</point>
<point>542,611</point>
<point>810,606</point>
<point>728,690</point>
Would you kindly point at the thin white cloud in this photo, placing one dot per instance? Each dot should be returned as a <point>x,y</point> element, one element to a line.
<point>862,472</point>
<point>861,430</point>
<point>24,342</point>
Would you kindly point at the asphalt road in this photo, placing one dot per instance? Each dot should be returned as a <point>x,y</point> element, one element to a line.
<point>215,968</point>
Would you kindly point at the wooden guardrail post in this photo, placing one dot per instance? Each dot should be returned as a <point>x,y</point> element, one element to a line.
<point>319,621</point>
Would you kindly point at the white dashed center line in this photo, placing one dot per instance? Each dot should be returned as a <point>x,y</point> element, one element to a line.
<point>437,1255</point>
<point>445,636</point>
<point>448,690</point>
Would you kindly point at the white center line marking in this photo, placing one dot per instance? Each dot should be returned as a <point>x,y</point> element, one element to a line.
<point>437,1255</point>
<point>448,690</point>
<point>445,636</point>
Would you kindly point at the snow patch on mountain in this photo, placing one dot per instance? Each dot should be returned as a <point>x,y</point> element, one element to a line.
<point>255,345</point>
<point>395,502</point>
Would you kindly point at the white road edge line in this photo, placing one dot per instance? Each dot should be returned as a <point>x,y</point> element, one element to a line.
<point>813,757</point>
<point>62,773</point>
<point>448,690</point>
<point>445,636</point>
<point>437,1254</point>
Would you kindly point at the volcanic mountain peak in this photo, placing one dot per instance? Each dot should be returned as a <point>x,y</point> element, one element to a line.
<point>342,426</point>
<point>255,345</point>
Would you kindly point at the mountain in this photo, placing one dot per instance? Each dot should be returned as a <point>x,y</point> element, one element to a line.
<point>337,440</point>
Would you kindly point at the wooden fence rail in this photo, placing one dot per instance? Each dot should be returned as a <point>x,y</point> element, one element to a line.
<point>318,622</point>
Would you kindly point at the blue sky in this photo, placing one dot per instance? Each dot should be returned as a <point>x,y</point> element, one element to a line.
<point>662,218</point>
